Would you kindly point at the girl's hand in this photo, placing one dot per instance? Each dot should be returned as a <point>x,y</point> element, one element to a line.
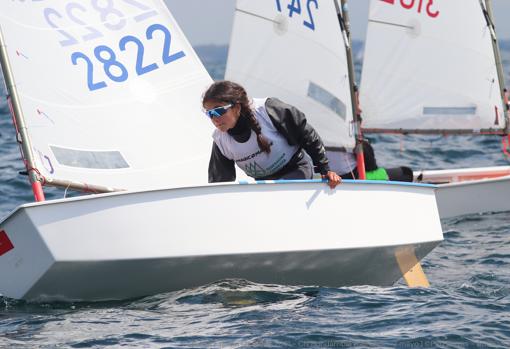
<point>333,179</point>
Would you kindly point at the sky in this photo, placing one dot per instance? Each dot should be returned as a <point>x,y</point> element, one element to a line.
<point>210,21</point>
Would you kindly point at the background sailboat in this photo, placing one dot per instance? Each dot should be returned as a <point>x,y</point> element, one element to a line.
<point>432,70</point>
<point>273,52</point>
<point>435,68</point>
<point>110,96</point>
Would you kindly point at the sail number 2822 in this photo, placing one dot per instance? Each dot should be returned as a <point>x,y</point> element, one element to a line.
<point>419,5</point>
<point>294,6</point>
<point>117,71</point>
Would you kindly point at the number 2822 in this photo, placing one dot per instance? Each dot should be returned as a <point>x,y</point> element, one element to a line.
<point>108,58</point>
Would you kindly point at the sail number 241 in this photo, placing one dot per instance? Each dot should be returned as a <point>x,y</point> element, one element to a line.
<point>418,4</point>
<point>294,6</point>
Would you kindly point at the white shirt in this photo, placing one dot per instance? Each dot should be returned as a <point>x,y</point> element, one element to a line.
<point>248,156</point>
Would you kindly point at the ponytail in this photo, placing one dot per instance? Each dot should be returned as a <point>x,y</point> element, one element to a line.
<point>262,141</point>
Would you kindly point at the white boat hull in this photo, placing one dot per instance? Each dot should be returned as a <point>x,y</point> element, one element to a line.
<point>470,190</point>
<point>124,245</point>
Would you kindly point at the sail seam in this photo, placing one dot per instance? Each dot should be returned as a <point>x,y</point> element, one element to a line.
<point>391,24</point>
<point>256,15</point>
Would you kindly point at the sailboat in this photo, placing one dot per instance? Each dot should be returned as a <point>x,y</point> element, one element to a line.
<point>105,99</point>
<point>273,51</point>
<point>435,68</point>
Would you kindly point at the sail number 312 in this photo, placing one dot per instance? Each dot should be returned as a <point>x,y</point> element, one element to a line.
<point>418,4</point>
<point>294,6</point>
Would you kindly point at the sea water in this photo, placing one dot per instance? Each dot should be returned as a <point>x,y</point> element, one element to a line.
<point>467,305</point>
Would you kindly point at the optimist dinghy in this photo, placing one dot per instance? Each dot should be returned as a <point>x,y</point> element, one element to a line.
<point>435,69</point>
<point>107,97</point>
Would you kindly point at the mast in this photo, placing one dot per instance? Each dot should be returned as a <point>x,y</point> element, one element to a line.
<point>19,120</point>
<point>343,19</point>
<point>489,16</point>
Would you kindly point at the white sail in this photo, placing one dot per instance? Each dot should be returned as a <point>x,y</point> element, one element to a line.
<point>430,65</point>
<point>110,91</point>
<point>294,50</point>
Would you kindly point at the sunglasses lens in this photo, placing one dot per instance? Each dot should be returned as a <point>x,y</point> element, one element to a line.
<point>213,113</point>
<point>217,112</point>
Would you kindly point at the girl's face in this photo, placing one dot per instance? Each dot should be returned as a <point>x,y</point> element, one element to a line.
<point>229,114</point>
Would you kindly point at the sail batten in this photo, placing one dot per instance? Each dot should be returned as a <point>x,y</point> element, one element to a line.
<point>111,94</point>
<point>431,69</point>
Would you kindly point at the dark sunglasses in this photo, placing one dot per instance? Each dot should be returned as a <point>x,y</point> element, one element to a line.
<point>218,111</point>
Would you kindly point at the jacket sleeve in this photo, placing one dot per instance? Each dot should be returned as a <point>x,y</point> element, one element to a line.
<point>221,169</point>
<point>292,124</point>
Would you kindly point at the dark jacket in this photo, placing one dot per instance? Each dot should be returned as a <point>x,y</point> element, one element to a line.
<point>290,123</point>
<point>368,151</point>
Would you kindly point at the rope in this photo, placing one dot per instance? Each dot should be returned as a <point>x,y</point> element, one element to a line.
<point>65,191</point>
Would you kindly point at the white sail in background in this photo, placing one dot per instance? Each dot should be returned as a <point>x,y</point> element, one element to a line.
<point>110,91</point>
<point>293,50</point>
<point>430,65</point>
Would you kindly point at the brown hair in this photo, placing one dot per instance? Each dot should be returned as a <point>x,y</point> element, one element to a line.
<point>230,92</point>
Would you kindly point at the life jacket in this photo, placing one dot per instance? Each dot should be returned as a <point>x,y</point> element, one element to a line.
<point>248,155</point>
